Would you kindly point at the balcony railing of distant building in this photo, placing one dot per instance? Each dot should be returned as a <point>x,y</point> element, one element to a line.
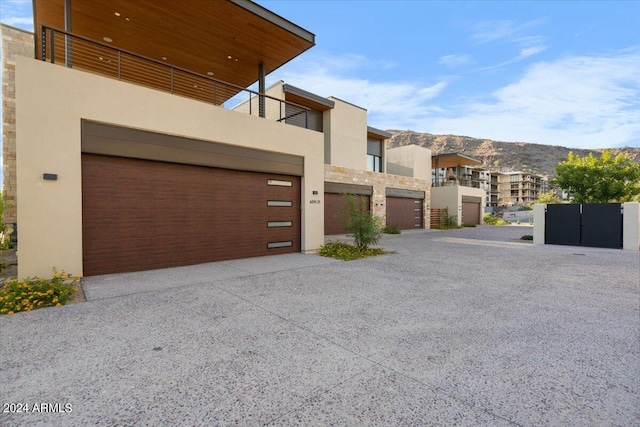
<point>74,51</point>
<point>444,181</point>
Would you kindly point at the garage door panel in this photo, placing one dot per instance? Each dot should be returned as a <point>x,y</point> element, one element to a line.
<point>140,214</point>
<point>404,213</point>
<point>335,207</point>
<point>470,213</point>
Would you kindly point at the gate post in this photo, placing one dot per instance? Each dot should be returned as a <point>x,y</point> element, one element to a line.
<point>539,223</point>
<point>631,226</point>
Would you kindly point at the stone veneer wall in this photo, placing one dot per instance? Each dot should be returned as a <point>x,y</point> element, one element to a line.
<point>15,42</point>
<point>379,182</point>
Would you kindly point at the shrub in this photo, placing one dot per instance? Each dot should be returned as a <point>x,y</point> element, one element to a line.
<point>494,220</point>
<point>391,229</point>
<point>450,222</point>
<point>35,292</point>
<point>527,237</point>
<point>468,224</point>
<point>347,252</point>
<point>361,224</point>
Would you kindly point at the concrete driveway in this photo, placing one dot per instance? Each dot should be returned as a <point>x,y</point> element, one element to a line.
<point>461,327</point>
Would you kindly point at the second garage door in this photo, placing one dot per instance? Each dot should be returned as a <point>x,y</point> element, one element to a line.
<point>404,209</point>
<point>335,208</point>
<point>335,204</point>
<point>142,214</point>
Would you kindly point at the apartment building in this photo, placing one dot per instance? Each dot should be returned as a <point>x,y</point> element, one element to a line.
<point>131,142</point>
<point>494,188</point>
<point>520,188</point>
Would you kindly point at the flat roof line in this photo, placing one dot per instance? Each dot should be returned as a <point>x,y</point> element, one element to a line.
<point>287,88</point>
<point>378,132</point>
<point>276,19</point>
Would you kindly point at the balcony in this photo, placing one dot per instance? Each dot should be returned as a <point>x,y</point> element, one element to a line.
<point>81,53</point>
<point>444,182</point>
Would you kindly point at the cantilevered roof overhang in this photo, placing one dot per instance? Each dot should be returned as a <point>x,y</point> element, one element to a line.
<point>228,38</point>
<point>377,133</point>
<point>451,160</point>
<point>308,99</point>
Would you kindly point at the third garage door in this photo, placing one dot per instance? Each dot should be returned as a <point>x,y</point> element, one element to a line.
<point>405,213</point>
<point>470,213</point>
<point>142,214</point>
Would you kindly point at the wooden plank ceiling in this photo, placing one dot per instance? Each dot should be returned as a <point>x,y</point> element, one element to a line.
<point>228,38</point>
<point>451,160</point>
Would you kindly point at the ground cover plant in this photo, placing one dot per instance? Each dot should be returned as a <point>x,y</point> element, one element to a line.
<point>361,224</point>
<point>391,229</point>
<point>494,220</point>
<point>35,292</point>
<point>347,252</point>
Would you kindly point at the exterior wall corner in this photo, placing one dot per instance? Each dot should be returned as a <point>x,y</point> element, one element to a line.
<point>15,43</point>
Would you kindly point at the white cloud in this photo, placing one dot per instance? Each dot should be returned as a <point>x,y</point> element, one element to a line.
<point>579,101</point>
<point>489,31</point>
<point>582,101</point>
<point>454,61</point>
<point>530,51</point>
<point>17,21</point>
<point>17,13</point>
<point>387,101</point>
<point>524,54</point>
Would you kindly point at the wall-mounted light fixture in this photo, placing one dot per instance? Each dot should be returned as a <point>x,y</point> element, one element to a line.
<point>314,192</point>
<point>50,176</point>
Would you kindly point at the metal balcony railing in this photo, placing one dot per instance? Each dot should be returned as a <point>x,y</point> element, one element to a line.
<point>74,51</point>
<point>449,183</point>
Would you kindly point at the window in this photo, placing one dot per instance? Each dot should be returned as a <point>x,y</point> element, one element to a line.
<point>374,155</point>
<point>374,163</point>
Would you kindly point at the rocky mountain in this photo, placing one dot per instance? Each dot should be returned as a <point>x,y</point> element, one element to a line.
<point>499,155</point>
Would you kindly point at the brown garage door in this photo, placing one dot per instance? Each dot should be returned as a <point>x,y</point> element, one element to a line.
<point>470,213</point>
<point>404,213</point>
<point>142,214</point>
<point>335,207</point>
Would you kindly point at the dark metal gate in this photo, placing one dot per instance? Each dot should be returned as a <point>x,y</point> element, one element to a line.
<point>562,225</point>
<point>591,224</point>
<point>602,225</point>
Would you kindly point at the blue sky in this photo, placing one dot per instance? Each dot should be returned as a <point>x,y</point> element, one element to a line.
<point>549,72</point>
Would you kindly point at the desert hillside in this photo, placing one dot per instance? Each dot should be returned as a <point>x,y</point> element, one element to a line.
<point>499,155</point>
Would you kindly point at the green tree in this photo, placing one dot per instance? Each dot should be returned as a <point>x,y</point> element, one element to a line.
<point>599,180</point>
<point>361,224</point>
<point>548,197</point>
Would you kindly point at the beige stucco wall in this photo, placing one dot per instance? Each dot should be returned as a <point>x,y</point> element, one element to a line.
<point>450,197</point>
<point>380,182</point>
<point>413,157</point>
<point>52,101</point>
<point>631,226</point>
<point>251,105</point>
<point>276,90</point>
<point>345,128</point>
<point>15,42</point>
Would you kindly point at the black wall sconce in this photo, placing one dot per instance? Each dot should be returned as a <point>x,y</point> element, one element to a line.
<point>50,176</point>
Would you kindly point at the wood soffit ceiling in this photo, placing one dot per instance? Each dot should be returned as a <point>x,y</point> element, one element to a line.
<point>227,37</point>
<point>452,160</point>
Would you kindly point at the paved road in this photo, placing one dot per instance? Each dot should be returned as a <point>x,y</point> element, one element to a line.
<point>461,327</point>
